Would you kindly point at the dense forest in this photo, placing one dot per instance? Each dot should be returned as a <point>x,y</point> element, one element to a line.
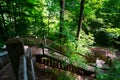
<point>80,25</point>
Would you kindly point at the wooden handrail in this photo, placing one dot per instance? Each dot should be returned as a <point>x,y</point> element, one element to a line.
<point>26,68</point>
<point>23,68</point>
<point>30,66</point>
<point>19,59</point>
<point>52,62</point>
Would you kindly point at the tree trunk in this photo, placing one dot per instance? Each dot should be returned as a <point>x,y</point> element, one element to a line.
<point>48,21</point>
<point>1,28</point>
<point>80,19</point>
<point>62,7</point>
<point>3,20</point>
<point>15,26</point>
<point>2,31</point>
<point>2,25</point>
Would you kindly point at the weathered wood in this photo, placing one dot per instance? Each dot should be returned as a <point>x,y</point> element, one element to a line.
<point>23,68</point>
<point>69,67</point>
<point>15,50</point>
<point>30,67</point>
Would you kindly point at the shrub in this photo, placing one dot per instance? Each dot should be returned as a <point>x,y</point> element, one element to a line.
<point>108,37</point>
<point>112,74</point>
<point>101,38</point>
<point>113,34</point>
<point>64,76</point>
<point>85,42</point>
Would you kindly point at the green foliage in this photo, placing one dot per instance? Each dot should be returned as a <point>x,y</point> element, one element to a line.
<point>41,18</point>
<point>110,13</point>
<point>24,18</point>
<point>113,32</point>
<point>64,76</point>
<point>96,24</point>
<point>99,16</point>
<point>108,37</point>
<point>112,74</point>
<point>1,44</point>
<point>101,38</point>
<point>83,45</point>
<point>85,42</point>
<point>113,35</point>
<point>77,60</point>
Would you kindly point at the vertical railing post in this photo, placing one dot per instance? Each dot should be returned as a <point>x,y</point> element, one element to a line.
<point>45,40</point>
<point>23,68</point>
<point>31,65</point>
<point>15,49</point>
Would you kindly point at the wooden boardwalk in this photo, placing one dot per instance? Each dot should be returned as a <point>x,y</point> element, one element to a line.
<point>7,73</point>
<point>44,55</point>
<point>53,58</point>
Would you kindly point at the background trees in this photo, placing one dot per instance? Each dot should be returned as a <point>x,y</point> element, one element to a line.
<point>80,18</point>
<point>58,20</point>
<point>47,18</point>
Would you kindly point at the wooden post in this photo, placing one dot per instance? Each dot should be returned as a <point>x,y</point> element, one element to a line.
<point>15,49</point>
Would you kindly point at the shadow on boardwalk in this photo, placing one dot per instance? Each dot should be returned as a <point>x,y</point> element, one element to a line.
<point>7,73</point>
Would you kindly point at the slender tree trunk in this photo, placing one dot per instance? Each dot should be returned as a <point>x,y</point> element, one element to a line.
<point>2,31</point>
<point>48,21</point>
<point>62,7</point>
<point>80,19</point>
<point>3,19</point>
<point>9,14</point>
<point>15,26</point>
<point>34,23</point>
<point>11,18</point>
<point>2,25</point>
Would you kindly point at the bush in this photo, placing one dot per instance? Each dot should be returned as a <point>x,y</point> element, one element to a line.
<point>1,44</point>
<point>112,74</point>
<point>108,37</point>
<point>101,38</point>
<point>64,76</point>
<point>113,35</point>
<point>85,42</point>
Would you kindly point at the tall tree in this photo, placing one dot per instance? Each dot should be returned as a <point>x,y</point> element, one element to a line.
<point>80,18</point>
<point>62,7</point>
<point>2,24</point>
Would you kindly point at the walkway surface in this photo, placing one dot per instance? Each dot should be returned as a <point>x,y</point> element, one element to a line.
<point>7,73</point>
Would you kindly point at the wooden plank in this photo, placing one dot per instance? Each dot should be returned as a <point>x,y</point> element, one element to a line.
<point>23,68</point>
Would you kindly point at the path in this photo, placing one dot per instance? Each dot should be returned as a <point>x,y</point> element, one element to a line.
<point>7,73</point>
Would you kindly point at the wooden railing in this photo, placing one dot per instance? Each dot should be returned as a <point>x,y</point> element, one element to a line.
<point>17,54</point>
<point>30,65</point>
<point>26,68</point>
<point>61,62</point>
<point>23,68</point>
<point>21,62</point>
<point>60,65</point>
